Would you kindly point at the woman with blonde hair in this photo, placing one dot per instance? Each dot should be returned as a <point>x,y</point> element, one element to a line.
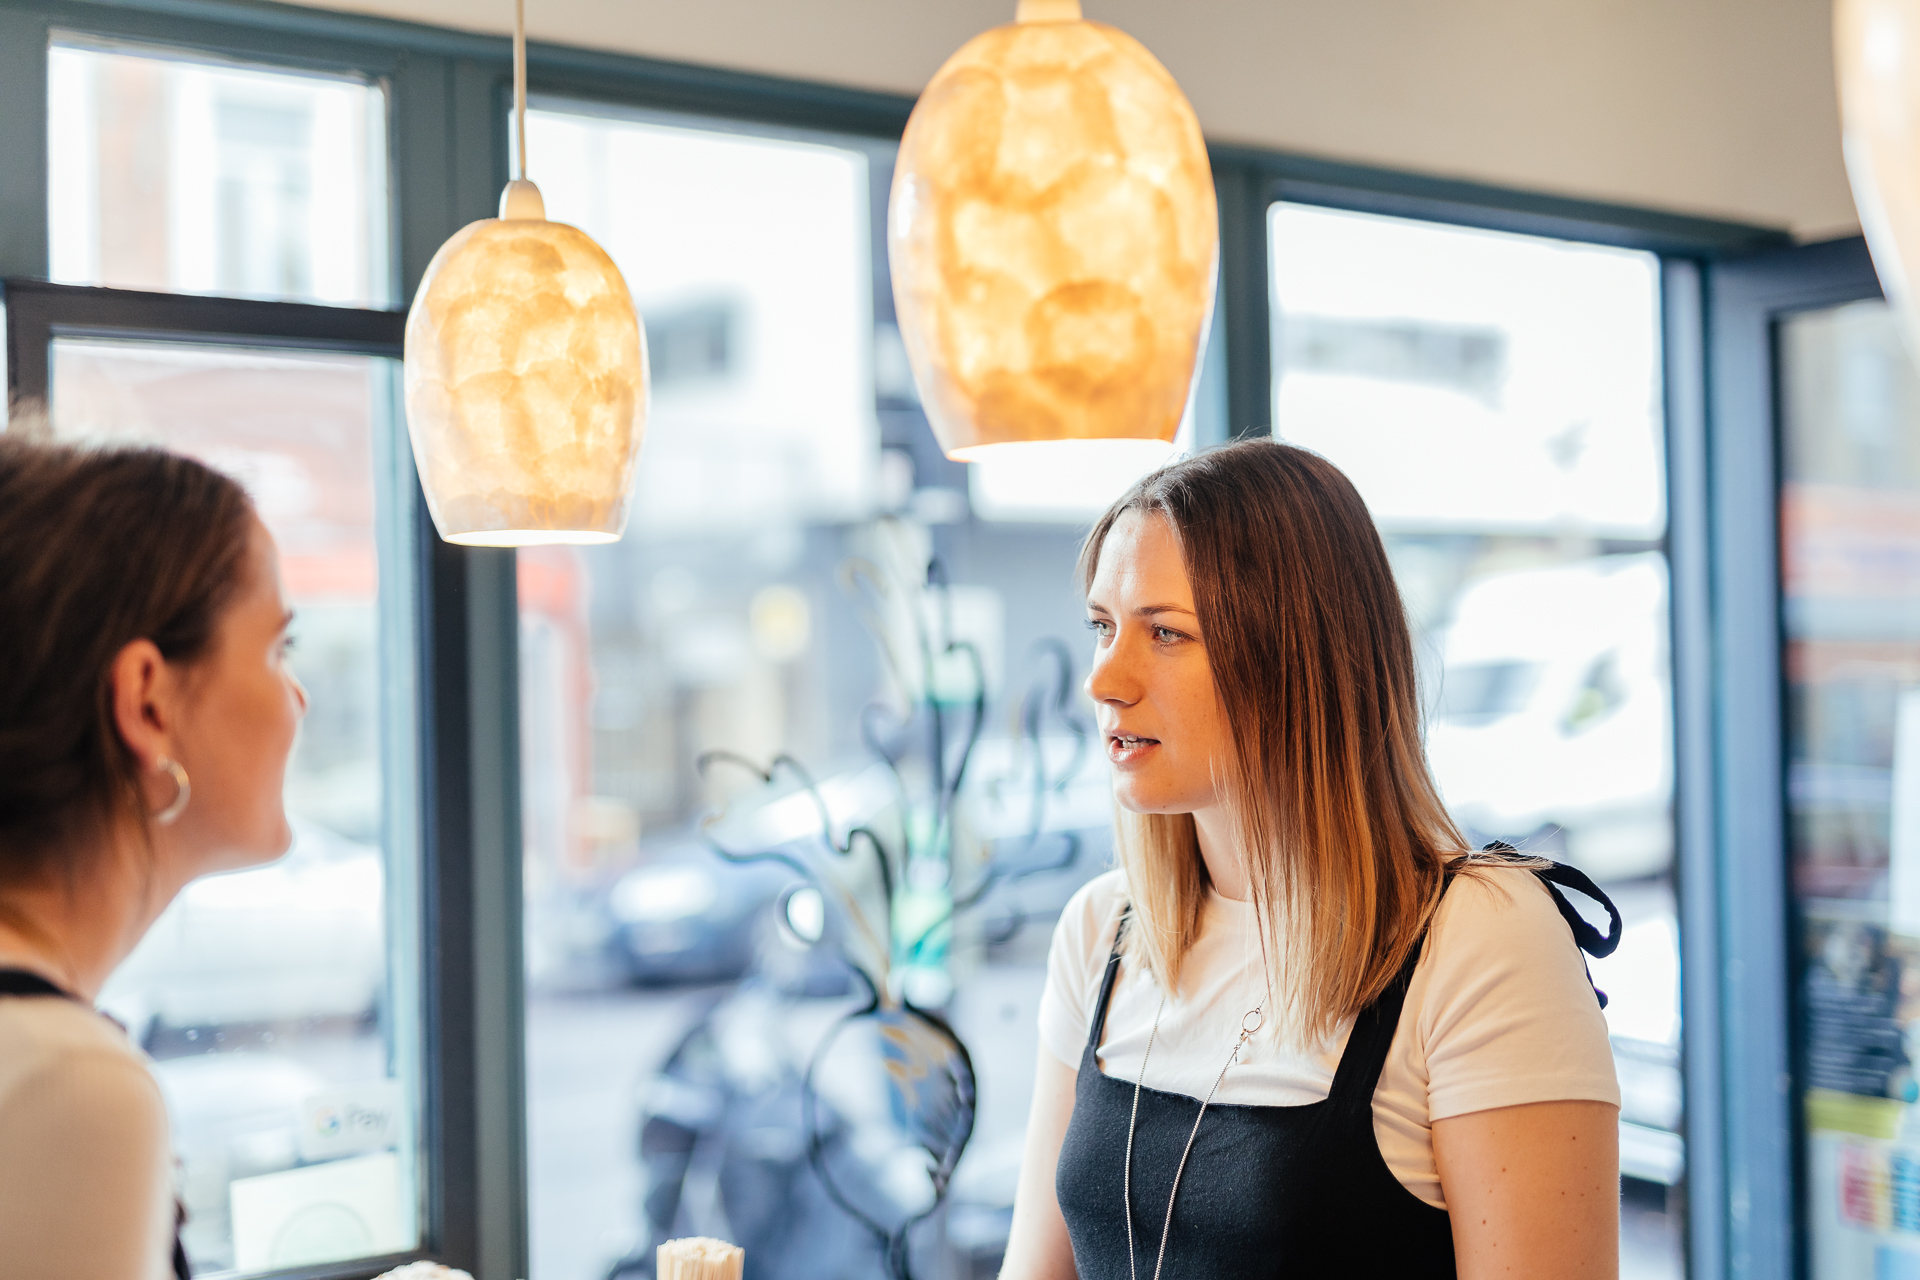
<point>1300,1031</point>
<point>146,716</point>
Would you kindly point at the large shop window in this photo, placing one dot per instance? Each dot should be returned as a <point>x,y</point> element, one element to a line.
<point>1497,400</point>
<point>281,1004</point>
<point>786,585</point>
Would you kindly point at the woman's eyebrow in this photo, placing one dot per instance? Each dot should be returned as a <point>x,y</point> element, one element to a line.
<point>1146,609</point>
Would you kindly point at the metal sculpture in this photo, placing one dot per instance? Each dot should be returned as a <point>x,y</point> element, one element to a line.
<point>862,872</point>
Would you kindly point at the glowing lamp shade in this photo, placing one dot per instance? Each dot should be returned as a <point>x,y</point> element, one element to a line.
<point>526,383</point>
<point>1053,237</point>
<point>1877,51</point>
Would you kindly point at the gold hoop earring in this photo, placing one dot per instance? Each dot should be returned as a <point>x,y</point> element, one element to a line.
<point>171,814</point>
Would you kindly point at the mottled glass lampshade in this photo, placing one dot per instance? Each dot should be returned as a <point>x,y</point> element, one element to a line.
<point>526,383</point>
<point>1053,237</point>
<point>1876,46</point>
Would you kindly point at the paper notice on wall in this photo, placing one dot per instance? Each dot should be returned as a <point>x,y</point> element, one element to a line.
<point>1903,854</point>
<point>329,1212</point>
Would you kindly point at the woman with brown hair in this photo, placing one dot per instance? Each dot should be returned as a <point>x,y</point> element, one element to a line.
<point>146,715</point>
<point>1300,1031</point>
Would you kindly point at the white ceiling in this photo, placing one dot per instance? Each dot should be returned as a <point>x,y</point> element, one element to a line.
<point>1717,107</point>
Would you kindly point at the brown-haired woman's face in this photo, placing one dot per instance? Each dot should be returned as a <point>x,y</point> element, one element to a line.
<point>242,707</point>
<point>1165,730</point>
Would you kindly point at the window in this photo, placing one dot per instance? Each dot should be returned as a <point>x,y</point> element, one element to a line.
<point>1850,526</point>
<point>1496,399</point>
<point>675,1000</point>
<point>282,1005</point>
<point>265,995</point>
<point>204,177</point>
<point>748,258</point>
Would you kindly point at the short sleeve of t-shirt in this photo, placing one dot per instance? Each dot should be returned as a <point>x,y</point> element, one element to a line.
<point>1506,1013</point>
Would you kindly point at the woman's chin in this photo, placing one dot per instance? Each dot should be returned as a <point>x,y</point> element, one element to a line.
<point>1142,802</point>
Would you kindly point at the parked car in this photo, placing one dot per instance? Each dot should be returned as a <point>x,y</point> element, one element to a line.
<point>688,915</point>
<point>303,937</point>
<point>1553,728</point>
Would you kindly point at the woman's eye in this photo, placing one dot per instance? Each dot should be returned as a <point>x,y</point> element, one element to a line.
<point>1099,626</point>
<point>1165,636</point>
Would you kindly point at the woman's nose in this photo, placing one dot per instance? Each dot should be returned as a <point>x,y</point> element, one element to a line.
<point>1108,680</point>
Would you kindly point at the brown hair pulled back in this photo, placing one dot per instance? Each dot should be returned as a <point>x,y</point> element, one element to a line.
<point>98,548</point>
<point>1344,834</point>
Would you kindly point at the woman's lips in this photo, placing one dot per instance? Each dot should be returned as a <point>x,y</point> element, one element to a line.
<point>1124,748</point>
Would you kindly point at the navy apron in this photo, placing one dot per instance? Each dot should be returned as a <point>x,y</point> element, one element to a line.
<point>1291,1192</point>
<point>19,982</point>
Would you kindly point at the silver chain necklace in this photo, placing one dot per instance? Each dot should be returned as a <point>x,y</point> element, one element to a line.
<point>1250,1024</point>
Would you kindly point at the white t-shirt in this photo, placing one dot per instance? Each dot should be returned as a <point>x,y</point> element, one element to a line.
<point>1499,1013</point>
<point>85,1176</point>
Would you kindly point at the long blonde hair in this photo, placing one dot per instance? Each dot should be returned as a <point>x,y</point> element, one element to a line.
<point>1345,838</point>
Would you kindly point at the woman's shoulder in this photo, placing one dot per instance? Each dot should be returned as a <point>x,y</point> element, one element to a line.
<point>1499,938</point>
<point>85,1163</point>
<point>1105,892</point>
<point>43,1039</point>
<point>1093,911</point>
<point>47,1024</point>
<point>1490,903</point>
<point>1499,928</point>
<point>1081,941</point>
<point>1505,1011</point>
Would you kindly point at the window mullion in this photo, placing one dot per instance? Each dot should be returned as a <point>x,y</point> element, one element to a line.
<point>23,144</point>
<point>449,164</point>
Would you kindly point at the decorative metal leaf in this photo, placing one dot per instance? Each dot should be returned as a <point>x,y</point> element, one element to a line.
<point>930,1076</point>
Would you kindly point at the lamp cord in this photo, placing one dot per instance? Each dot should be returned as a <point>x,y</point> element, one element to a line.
<point>520,84</point>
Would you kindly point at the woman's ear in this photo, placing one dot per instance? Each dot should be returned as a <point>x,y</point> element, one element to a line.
<point>145,701</point>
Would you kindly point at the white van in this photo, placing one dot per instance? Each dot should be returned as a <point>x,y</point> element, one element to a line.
<point>1552,722</point>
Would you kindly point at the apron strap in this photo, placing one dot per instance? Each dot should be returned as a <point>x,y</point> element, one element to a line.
<point>1098,1022</point>
<point>24,982</point>
<point>1558,877</point>
<point>1358,1074</point>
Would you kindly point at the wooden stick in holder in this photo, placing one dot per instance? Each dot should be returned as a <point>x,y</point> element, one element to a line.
<point>700,1258</point>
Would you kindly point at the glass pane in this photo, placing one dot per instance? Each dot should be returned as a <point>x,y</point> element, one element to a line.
<point>1496,399</point>
<point>286,1054</point>
<point>762,602</point>
<point>200,177</point>
<point>1850,543</point>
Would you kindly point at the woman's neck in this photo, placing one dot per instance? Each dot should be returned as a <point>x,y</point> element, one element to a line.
<point>75,932</point>
<point>1220,851</point>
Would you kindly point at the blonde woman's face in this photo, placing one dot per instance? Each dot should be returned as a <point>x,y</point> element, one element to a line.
<point>1164,728</point>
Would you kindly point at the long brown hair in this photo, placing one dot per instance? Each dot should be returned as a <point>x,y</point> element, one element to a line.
<point>98,548</point>
<point>1345,837</point>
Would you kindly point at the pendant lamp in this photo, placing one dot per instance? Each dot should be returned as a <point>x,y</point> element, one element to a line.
<point>1054,240</point>
<point>526,373</point>
<point>1876,46</point>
